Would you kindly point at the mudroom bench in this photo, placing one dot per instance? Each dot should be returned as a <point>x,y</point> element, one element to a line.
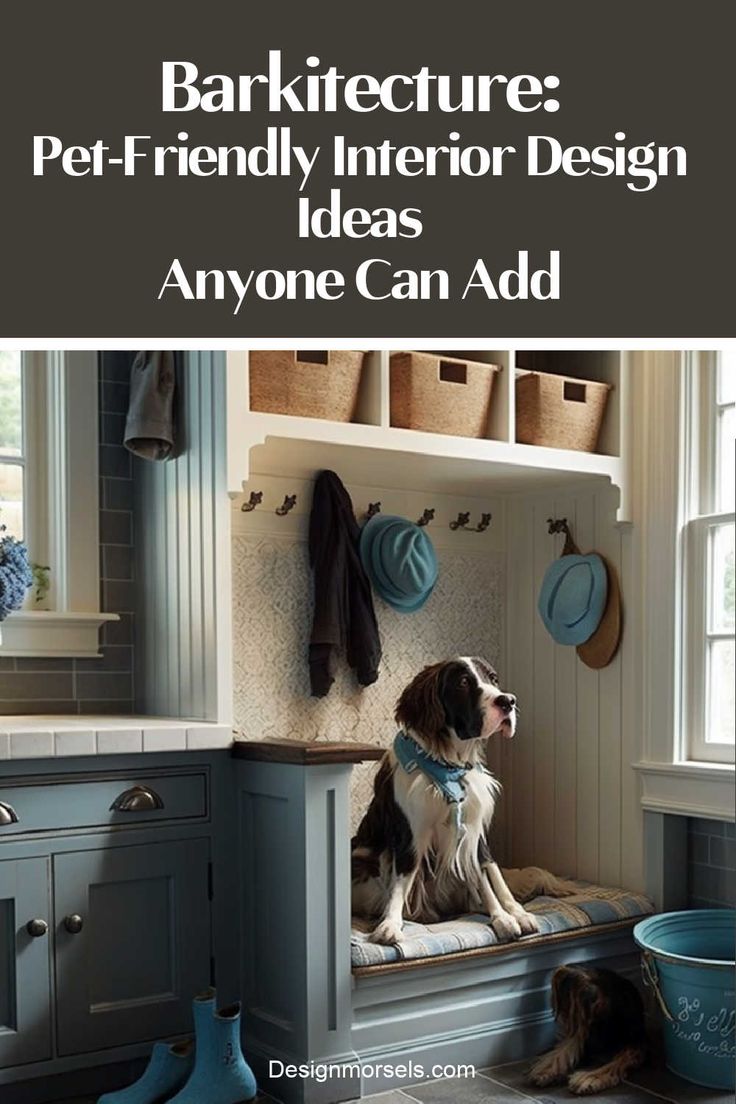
<point>317,993</point>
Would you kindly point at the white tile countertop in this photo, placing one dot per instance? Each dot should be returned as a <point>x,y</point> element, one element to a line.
<point>48,737</point>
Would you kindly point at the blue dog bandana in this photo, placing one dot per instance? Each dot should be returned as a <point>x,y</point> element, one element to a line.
<point>447,777</point>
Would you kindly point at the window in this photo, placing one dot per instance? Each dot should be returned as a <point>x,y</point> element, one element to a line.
<point>710,673</point>
<point>12,444</point>
<point>48,497</point>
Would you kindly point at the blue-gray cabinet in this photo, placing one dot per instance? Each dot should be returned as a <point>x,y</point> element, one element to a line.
<point>25,961</point>
<point>132,936</point>
<point>117,904</point>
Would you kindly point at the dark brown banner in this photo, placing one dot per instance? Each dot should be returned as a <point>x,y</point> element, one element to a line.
<point>180,170</point>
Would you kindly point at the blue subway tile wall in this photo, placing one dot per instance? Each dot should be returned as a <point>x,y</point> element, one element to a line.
<point>711,862</point>
<point>102,685</point>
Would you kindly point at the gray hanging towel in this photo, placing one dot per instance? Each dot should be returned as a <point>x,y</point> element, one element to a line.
<point>149,427</point>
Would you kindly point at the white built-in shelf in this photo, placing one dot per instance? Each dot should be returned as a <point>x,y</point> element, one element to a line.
<point>371,451</point>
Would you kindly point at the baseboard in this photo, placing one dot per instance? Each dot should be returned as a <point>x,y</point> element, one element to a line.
<point>429,1058</point>
<point>73,1084</point>
<point>326,1080</point>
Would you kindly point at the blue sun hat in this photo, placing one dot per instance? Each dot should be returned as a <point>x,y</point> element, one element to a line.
<point>400,560</point>
<point>573,597</point>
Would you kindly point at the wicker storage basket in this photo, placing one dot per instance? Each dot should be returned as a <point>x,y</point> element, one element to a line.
<point>308,384</point>
<point>559,411</point>
<point>441,394</point>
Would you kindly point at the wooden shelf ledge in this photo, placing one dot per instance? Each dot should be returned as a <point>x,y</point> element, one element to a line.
<point>305,753</point>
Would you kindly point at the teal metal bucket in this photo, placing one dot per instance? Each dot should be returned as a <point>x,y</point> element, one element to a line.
<point>689,960</point>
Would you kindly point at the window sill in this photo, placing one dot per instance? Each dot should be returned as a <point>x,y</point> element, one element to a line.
<point>48,634</point>
<point>689,789</point>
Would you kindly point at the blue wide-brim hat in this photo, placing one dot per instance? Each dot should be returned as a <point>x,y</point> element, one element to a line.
<point>400,560</point>
<point>573,597</point>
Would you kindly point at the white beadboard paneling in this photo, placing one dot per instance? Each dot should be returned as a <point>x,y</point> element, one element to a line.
<point>587,704</point>
<point>608,542</point>
<point>520,618</point>
<point>543,701</point>
<point>565,724</point>
<point>575,796</point>
<point>632,818</point>
<point>183,551</point>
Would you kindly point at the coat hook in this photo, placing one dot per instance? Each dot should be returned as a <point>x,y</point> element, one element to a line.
<point>373,509</point>
<point>559,525</point>
<point>461,521</point>
<point>288,504</point>
<point>256,498</point>
<point>427,516</point>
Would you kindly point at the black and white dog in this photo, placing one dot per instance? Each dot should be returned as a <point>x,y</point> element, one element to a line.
<point>421,851</point>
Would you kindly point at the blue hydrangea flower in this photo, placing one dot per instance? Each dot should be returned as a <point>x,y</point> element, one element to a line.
<point>15,574</point>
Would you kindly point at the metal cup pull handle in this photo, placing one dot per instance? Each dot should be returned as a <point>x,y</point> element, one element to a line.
<point>138,799</point>
<point>8,814</point>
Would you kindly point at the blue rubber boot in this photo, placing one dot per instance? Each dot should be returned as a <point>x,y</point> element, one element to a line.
<point>221,1074</point>
<point>169,1068</point>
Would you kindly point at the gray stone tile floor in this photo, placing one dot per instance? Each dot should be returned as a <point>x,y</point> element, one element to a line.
<point>506,1084</point>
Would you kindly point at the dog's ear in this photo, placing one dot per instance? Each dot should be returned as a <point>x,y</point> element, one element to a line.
<point>420,707</point>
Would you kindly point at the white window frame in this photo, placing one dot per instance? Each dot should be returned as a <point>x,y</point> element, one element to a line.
<point>701,496</point>
<point>61,512</point>
<point>666,443</point>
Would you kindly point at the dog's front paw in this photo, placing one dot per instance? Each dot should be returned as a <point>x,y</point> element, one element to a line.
<point>527,921</point>
<point>586,1082</point>
<point>505,926</point>
<point>548,1070</point>
<point>387,932</point>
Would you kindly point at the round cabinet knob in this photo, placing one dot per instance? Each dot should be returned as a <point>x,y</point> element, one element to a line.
<point>37,928</point>
<point>73,923</point>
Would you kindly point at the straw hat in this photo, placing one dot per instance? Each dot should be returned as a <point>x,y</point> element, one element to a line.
<point>600,648</point>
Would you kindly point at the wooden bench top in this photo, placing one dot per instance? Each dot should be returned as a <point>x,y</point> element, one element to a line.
<point>305,753</point>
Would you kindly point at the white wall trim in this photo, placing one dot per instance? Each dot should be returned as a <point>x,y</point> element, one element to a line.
<point>47,633</point>
<point>688,789</point>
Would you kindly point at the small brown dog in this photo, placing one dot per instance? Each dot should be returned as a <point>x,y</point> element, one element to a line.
<point>601,1017</point>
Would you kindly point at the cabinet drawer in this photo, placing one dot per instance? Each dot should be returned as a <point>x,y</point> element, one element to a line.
<point>101,802</point>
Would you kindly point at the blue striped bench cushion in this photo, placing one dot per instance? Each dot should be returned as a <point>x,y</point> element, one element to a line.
<point>590,906</point>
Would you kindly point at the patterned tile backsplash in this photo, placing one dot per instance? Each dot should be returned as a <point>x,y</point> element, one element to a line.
<point>94,685</point>
<point>711,863</point>
<point>272,606</point>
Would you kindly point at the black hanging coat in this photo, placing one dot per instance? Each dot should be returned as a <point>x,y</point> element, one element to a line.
<point>344,618</point>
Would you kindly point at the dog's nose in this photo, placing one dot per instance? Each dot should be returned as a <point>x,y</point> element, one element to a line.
<point>506,702</point>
